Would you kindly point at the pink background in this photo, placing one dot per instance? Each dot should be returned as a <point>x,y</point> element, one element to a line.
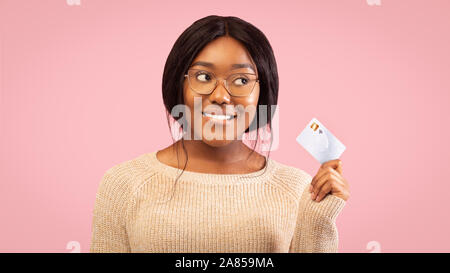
<point>81,92</point>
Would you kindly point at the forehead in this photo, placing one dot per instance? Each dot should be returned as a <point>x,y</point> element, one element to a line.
<point>224,54</point>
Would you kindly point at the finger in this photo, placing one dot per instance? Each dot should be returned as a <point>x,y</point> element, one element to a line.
<point>338,178</point>
<point>324,190</point>
<point>317,177</point>
<point>339,189</point>
<point>320,172</point>
<point>335,164</point>
<point>333,176</point>
<point>332,163</point>
<point>320,182</point>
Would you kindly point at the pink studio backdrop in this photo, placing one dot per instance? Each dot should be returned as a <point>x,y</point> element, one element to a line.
<point>81,92</point>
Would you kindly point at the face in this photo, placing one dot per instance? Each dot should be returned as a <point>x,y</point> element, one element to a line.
<point>235,112</point>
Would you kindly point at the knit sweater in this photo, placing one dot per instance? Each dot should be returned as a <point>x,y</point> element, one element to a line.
<point>269,210</point>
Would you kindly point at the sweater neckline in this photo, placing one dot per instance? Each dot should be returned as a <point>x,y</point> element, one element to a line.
<point>213,178</point>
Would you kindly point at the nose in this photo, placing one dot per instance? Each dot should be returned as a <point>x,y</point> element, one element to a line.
<point>220,94</point>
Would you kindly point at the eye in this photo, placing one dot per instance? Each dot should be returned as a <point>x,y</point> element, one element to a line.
<point>243,81</point>
<point>203,76</point>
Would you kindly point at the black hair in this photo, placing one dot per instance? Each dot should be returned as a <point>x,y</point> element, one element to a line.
<point>195,38</point>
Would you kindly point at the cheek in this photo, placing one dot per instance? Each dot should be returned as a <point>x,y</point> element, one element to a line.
<point>188,100</point>
<point>253,98</point>
<point>188,97</point>
<point>250,103</point>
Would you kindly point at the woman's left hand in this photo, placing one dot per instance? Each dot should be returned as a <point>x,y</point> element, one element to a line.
<point>329,179</point>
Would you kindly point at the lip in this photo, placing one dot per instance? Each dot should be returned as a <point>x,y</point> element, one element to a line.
<point>219,119</point>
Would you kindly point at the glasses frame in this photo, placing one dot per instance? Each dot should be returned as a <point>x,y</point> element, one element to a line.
<point>217,81</point>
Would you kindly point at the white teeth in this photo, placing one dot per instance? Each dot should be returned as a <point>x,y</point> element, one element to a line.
<point>221,117</point>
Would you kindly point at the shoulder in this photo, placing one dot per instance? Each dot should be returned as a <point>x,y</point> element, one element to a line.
<point>291,179</point>
<point>123,178</point>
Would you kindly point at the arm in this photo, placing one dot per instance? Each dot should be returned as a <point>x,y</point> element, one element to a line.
<point>109,216</point>
<point>315,229</point>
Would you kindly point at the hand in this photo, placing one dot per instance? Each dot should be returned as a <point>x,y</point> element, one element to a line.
<point>329,179</point>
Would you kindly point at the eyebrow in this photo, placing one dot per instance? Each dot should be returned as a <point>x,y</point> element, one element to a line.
<point>234,66</point>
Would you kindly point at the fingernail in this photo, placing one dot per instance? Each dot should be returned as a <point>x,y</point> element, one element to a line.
<point>317,198</point>
<point>312,195</point>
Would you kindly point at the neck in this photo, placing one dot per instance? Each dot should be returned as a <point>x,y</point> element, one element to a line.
<point>197,149</point>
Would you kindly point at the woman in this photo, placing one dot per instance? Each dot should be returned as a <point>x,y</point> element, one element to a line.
<point>207,192</point>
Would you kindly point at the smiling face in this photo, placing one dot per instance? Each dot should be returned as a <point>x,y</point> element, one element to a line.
<point>222,57</point>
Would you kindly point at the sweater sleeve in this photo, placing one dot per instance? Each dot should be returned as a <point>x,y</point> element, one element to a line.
<point>109,215</point>
<point>315,229</point>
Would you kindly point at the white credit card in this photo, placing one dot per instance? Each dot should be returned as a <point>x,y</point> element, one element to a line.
<point>320,142</point>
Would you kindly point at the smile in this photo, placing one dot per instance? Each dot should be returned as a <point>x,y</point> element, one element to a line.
<point>218,117</point>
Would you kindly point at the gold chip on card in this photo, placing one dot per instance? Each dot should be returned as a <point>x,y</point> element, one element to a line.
<point>314,126</point>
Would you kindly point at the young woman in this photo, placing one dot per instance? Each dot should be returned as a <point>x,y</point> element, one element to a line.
<point>209,192</point>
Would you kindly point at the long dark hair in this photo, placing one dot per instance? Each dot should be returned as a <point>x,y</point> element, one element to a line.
<point>195,38</point>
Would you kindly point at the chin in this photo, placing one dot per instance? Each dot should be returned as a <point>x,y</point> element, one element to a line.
<point>217,142</point>
<point>210,138</point>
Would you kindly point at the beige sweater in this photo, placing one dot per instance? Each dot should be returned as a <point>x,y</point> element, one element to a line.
<point>264,211</point>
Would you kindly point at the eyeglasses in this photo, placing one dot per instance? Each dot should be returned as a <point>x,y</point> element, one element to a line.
<point>238,85</point>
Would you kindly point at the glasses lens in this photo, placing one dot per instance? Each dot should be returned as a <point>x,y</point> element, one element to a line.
<point>241,84</point>
<point>201,81</point>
